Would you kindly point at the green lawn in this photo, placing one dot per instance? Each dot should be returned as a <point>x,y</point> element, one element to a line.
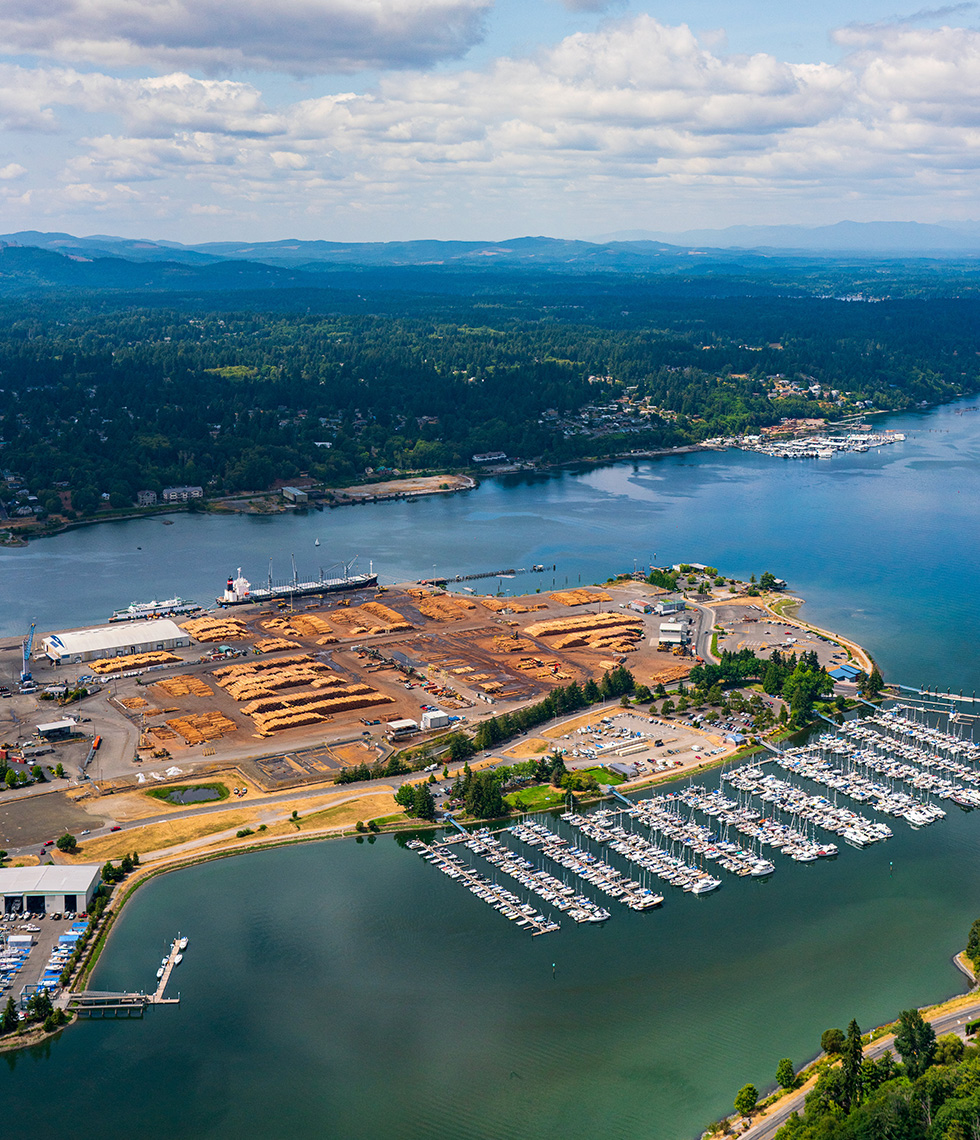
<point>535,798</point>
<point>604,776</point>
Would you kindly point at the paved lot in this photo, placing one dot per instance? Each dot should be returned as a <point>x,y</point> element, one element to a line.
<point>30,974</point>
<point>34,819</point>
<point>747,627</point>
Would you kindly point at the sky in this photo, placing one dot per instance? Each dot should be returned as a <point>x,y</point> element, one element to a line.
<point>382,120</point>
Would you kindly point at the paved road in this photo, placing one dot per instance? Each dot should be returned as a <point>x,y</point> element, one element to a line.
<point>943,1023</point>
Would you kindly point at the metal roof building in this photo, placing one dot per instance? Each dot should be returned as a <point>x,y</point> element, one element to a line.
<point>38,890</point>
<point>115,640</point>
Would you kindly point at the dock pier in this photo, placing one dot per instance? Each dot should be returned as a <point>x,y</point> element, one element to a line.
<point>103,1003</point>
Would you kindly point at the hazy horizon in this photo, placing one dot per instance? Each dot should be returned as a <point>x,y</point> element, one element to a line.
<point>481,119</point>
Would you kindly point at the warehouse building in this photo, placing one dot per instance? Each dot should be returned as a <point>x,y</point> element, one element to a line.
<point>117,640</point>
<point>48,890</point>
<point>673,633</point>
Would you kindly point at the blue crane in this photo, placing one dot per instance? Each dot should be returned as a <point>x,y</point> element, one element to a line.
<point>25,674</point>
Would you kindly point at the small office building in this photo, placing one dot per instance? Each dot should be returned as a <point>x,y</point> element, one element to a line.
<point>673,633</point>
<point>48,890</point>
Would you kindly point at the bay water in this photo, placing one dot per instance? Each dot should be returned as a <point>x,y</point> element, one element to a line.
<point>347,989</point>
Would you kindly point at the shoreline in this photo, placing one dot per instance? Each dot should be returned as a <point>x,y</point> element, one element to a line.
<point>880,1038</point>
<point>21,539</point>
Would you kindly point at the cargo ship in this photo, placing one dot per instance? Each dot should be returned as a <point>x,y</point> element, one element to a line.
<point>240,592</point>
<point>141,611</point>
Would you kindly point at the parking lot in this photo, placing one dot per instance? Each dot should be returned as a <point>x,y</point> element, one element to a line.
<point>45,931</point>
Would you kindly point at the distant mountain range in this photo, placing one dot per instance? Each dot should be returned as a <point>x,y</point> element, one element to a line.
<point>741,260</point>
<point>843,237</point>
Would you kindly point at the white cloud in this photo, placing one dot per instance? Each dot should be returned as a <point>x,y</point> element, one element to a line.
<point>610,123</point>
<point>302,37</point>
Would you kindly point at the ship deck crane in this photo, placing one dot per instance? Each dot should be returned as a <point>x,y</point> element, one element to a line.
<point>25,673</point>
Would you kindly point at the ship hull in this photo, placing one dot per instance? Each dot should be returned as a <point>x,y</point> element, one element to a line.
<point>301,590</point>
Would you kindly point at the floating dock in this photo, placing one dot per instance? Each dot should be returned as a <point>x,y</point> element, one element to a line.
<point>111,1003</point>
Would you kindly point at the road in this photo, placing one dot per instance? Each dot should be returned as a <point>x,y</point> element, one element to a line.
<point>942,1023</point>
<point>703,629</point>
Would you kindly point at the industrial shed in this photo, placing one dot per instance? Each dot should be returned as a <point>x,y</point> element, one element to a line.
<point>117,640</point>
<point>50,889</point>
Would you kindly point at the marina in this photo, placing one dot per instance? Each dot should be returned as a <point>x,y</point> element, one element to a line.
<point>819,446</point>
<point>502,900</point>
<point>677,844</point>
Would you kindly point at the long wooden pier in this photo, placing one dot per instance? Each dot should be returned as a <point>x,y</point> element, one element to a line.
<point>104,1003</point>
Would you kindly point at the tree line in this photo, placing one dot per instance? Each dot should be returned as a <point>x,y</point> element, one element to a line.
<point>109,397</point>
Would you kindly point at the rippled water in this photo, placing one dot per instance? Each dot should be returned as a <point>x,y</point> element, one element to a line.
<point>344,989</point>
<point>883,545</point>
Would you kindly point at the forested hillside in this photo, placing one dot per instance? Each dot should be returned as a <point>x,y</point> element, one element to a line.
<point>108,396</point>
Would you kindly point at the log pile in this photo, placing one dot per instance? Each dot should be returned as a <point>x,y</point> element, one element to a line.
<point>135,661</point>
<point>302,625</point>
<point>371,618</point>
<point>290,692</point>
<point>498,605</point>
<point>275,644</point>
<point>214,627</point>
<point>579,597</point>
<point>200,727</point>
<point>591,631</point>
<point>184,685</point>
<point>442,607</point>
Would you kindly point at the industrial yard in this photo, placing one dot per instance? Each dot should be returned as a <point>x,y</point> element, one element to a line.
<point>295,692</point>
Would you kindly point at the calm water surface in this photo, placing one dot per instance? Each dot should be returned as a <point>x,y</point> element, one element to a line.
<point>883,545</point>
<point>344,989</point>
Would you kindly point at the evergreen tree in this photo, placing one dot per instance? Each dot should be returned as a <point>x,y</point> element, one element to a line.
<point>423,804</point>
<point>785,1075</point>
<point>8,1020</point>
<point>852,1054</point>
<point>973,944</point>
<point>915,1042</point>
<point>746,1100</point>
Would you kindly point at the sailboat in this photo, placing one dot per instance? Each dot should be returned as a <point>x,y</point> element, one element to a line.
<point>317,543</point>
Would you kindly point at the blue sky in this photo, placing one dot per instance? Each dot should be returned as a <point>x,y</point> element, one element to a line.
<point>373,120</point>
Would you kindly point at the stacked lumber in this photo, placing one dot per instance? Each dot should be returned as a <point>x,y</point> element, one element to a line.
<point>371,618</point>
<point>184,685</point>
<point>442,607</point>
<point>301,625</point>
<point>579,597</point>
<point>297,709</point>
<point>134,703</point>
<point>542,670</point>
<point>585,630</point>
<point>198,728</point>
<point>161,732</point>
<point>274,644</point>
<point>135,661</point>
<point>215,627</point>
